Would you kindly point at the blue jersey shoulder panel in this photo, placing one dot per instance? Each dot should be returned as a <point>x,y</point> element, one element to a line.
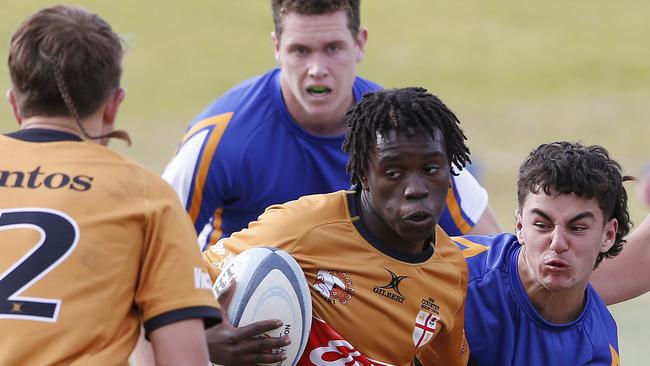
<point>504,328</point>
<point>245,152</point>
<point>264,157</point>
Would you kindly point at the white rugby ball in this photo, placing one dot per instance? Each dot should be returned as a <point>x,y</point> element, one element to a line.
<point>270,285</point>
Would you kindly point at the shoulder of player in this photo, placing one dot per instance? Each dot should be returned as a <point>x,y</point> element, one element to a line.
<point>142,182</point>
<point>119,163</point>
<point>237,119</point>
<point>245,100</point>
<point>486,253</point>
<point>446,249</point>
<point>599,313</point>
<point>310,211</point>
<point>366,84</point>
<point>363,86</point>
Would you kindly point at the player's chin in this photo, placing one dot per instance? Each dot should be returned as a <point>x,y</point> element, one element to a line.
<point>557,283</point>
<point>414,233</point>
<point>419,227</point>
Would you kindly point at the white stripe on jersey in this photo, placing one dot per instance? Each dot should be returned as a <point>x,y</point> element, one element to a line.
<point>474,198</point>
<point>179,173</point>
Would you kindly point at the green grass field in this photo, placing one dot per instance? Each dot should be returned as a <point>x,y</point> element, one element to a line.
<point>516,73</point>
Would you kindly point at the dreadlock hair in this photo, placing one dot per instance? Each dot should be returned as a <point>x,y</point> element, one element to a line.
<point>407,109</point>
<point>586,171</point>
<point>65,61</point>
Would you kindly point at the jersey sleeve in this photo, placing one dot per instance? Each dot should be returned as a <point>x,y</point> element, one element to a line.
<point>200,180</point>
<point>466,203</point>
<point>173,283</point>
<point>473,197</point>
<point>274,228</point>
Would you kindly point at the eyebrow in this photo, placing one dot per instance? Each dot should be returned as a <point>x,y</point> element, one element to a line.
<point>296,44</point>
<point>580,216</point>
<point>293,46</point>
<point>392,156</point>
<point>336,42</point>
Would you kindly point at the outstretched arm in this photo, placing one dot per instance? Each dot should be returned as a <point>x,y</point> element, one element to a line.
<point>625,276</point>
<point>487,224</point>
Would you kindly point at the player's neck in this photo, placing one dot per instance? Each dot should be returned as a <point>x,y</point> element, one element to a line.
<point>559,307</point>
<point>61,123</point>
<point>325,125</point>
<point>325,129</point>
<point>325,122</point>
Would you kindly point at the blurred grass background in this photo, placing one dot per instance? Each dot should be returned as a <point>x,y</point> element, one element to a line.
<point>517,73</point>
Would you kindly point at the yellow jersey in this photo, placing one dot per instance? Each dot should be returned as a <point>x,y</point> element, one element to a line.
<point>372,304</point>
<point>93,245</point>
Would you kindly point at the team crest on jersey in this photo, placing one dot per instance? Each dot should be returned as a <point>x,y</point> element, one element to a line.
<point>391,290</point>
<point>224,255</point>
<point>228,271</point>
<point>426,322</point>
<point>334,286</point>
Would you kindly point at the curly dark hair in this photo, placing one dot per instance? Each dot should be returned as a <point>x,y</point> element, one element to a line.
<point>316,7</point>
<point>586,171</point>
<point>413,109</point>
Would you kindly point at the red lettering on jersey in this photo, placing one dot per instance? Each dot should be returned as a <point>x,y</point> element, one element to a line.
<point>326,347</point>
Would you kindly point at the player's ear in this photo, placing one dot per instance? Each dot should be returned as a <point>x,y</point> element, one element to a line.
<point>109,114</point>
<point>362,38</point>
<point>11,98</point>
<point>113,105</point>
<point>609,235</point>
<point>276,46</point>
<point>519,226</point>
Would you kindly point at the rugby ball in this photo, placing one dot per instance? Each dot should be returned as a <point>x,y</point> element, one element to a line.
<point>270,285</point>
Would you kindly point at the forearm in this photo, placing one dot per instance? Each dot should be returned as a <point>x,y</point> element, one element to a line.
<point>181,343</point>
<point>626,276</point>
<point>487,224</point>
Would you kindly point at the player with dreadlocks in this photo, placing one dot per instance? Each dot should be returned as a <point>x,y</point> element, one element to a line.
<point>410,109</point>
<point>387,282</point>
<point>94,246</point>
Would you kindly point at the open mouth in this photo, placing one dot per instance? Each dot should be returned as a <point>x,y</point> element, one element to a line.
<point>420,216</point>
<point>556,264</point>
<point>318,90</point>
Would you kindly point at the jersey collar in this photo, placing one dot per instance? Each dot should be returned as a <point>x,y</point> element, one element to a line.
<point>43,135</point>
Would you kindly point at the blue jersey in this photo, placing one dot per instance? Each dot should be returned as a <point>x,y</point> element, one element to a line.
<point>504,328</point>
<point>245,152</point>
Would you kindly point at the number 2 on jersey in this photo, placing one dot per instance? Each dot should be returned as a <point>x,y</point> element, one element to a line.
<point>59,236</point>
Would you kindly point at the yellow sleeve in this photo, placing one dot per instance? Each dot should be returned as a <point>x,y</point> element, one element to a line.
<point>276,227</point>
<point>172,275</point>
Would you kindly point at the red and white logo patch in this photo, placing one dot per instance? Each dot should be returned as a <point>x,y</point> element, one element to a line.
<point>425,328</point>
<point>334,286</point>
